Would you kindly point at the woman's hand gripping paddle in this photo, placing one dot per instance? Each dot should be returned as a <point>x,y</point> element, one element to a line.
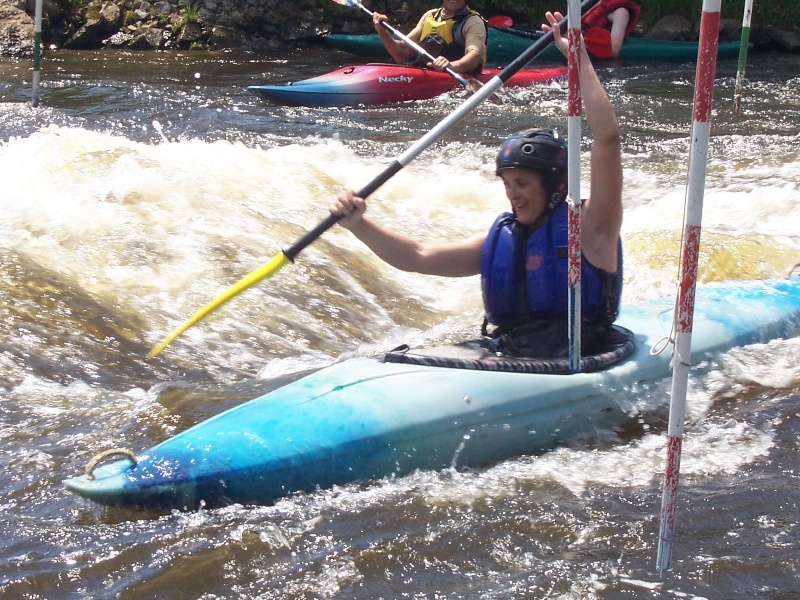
<point>471,84</point>
<point>288,255</point>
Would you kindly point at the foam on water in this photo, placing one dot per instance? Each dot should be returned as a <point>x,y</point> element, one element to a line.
<point>159,229</point>
<point>85,168</point>
<point>137,192</point>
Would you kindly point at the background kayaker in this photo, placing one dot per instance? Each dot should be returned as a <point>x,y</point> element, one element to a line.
<point>526,299</point>
<point>618,17</point>
<point>455,34</point>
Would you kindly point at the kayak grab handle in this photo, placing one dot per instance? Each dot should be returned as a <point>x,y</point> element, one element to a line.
<point>88,470</point>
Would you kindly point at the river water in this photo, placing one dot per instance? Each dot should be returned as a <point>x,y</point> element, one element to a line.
<point>145,184</point>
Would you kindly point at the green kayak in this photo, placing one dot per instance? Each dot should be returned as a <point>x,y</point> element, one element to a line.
<point>505,46</point>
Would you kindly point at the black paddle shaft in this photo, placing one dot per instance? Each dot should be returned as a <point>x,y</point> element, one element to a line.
<point>331,220</point>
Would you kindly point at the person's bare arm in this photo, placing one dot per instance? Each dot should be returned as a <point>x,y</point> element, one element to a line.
<point>397,49</point>
<point>456,259</point>
<point>602,213</point>
<point>619,24</point>
<point>465,64</point>
<point>474,32</point>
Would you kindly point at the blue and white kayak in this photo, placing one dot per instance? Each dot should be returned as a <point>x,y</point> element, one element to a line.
<point>363,418</point>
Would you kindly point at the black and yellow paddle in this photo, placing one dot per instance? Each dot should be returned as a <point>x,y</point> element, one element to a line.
<point>288,255</point>
<point>471,84</point>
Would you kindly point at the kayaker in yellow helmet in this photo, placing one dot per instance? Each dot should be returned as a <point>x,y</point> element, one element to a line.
<point>521,259</point>
<point>454,34</point>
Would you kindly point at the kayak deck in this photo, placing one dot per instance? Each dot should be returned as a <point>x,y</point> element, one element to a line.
<point>365,419</point>
<point>480,355</point>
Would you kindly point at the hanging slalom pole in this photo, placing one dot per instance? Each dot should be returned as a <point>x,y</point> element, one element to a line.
<point>684,309</point>
<point>737,93</point>
<point>574,182</point>
<point>37,50</point>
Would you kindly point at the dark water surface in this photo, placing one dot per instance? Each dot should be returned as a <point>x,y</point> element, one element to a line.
<point>145,184</point>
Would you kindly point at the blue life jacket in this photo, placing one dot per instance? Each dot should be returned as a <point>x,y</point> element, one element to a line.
<point>524,275</point>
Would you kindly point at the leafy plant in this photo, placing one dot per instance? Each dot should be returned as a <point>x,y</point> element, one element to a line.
<point>191,13</point>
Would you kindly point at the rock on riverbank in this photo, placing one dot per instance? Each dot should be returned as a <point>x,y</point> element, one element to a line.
<point>256,25</point>
<point>165,24</point>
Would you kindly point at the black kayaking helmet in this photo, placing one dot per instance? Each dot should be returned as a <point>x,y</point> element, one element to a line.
<point>540,150</point>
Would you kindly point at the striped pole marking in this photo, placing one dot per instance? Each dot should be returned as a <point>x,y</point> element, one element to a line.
<point>737,93</point>
<point>574,182</point>
<point>37,50</point>
<point>698,157</point>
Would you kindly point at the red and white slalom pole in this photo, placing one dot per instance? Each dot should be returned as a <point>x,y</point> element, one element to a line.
<point>37,51</point>
<point>684,309</point>
<point>574,181</point>
<point>745,41</point>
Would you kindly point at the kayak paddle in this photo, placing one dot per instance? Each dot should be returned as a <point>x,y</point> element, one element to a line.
<point>288,255</point>
<point>471,84</point>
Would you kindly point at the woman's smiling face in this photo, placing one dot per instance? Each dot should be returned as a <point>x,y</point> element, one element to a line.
<point>525,190</point>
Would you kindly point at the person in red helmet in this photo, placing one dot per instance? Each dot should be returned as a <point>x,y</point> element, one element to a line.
<point>454,34</point>
<point>522,259</point>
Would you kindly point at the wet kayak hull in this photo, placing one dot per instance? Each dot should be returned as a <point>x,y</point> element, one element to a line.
<point>364,419</point>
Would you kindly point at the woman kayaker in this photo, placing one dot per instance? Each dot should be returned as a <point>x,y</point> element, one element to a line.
<point>454,34</point>
<point>522,258</point>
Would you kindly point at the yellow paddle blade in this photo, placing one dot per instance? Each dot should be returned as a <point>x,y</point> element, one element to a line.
<point>237,288</point>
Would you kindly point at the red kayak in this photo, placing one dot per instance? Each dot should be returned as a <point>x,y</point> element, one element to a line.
<point>377,83</point>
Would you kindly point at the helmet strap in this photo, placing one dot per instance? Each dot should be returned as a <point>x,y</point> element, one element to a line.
<point>555,198</point>
<point>555,189</point>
